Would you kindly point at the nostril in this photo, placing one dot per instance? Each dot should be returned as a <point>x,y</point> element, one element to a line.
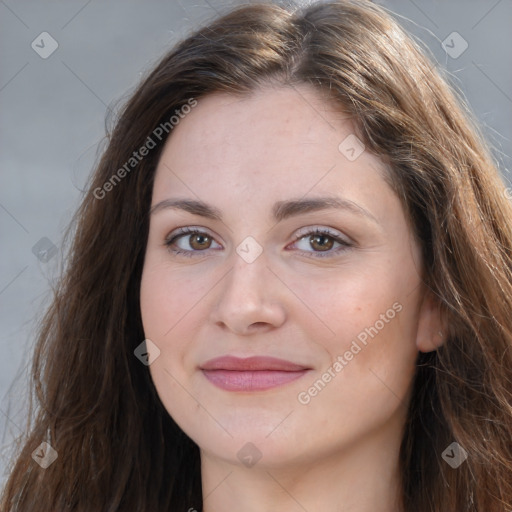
<point>258,324</point>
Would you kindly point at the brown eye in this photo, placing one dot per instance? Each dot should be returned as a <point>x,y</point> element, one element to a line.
<point>199,241</point>
<point>190,242</point>
<point>321,242</point>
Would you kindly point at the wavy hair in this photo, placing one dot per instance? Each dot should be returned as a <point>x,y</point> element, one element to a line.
<point>118,448</point>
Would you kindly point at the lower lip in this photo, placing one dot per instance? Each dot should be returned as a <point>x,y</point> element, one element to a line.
<point>231,380</point>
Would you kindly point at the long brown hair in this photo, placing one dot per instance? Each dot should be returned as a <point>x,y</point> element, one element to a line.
<point>118,448</point>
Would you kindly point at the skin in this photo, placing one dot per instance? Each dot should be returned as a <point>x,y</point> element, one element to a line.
<point>338,452</point>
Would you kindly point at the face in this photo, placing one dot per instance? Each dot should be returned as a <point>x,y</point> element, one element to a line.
<point>299,272</point>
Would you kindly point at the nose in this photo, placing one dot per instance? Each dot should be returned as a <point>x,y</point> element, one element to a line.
<point>250,298</point>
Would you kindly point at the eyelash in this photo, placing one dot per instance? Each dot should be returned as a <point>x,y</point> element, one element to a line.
<point>317,231</point>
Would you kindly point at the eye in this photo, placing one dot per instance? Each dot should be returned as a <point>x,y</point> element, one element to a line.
<point>192,240</point>
<point>323,241</point>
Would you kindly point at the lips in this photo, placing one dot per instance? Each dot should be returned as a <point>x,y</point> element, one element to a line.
<point>255,363</point>
<point>251,374</point>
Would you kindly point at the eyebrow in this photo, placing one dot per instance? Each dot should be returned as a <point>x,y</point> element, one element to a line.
<point>281,210</point>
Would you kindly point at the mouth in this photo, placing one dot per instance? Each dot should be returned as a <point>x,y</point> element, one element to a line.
<point>251,374</point>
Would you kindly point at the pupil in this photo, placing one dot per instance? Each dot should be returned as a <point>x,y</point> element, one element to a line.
<point>200,239</point>
<point>325,238</point>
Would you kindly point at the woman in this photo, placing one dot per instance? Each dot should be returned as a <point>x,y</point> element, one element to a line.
<point>289,287</point>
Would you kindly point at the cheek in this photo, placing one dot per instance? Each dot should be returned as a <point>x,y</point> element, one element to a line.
<point>166,319</point>
<point>167,308</point>
<point>166,297</point>
<point>155,303</point>
<point>371,362</point>
<point>369,319</point>
<point>349,301</point>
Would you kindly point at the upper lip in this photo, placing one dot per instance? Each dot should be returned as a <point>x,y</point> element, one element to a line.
<point>254,363</point>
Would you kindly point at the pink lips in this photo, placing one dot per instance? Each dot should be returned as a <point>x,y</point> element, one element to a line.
<point>251,374</point>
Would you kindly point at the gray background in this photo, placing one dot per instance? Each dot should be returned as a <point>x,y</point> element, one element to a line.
<point>52,122</point>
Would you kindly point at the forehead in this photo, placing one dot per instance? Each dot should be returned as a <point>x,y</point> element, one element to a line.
<point>284,120</point>
<point>271,145</point>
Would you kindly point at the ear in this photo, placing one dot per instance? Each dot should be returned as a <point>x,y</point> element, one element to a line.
<point>432,332</point>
